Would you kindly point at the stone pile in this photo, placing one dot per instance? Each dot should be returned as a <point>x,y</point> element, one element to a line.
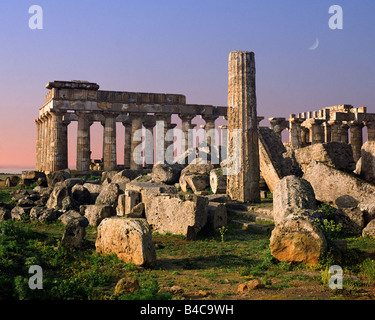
<point>125,206</point>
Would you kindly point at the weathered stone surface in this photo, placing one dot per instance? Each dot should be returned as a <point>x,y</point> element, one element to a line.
<point>177,214</point>
<point>292,194</point>
<point>81,195</point>
<point>369,230</point>
<point>43,191</point>
<point>335,154</point>
<point>243,183</point>
<point>216,216</point>
<point>195,182</point>
<point>42,214</point>
<point>296,239</point>
<point>69,215</point>
<point>75,231</point>
<point>331,184</point>
<point>165,173</point>
<point>218,181</point>
<point>57,176</point>
<point>276,161</point>
<point>126,285</point>
<point>129,239</point>
<point>60,199</point>
<point>12,181</point>
<point>108,195</point>
<point>249,286</point>
<point>94,190</point>
<point>5,214</point>
<point>351,219</point>
<point>121,180</point>
<point>96,213</point>
<point>367,161</point>
<point>20,213</point>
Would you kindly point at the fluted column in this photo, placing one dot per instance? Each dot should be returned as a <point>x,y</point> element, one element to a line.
<point>356,138</point>
<point>210,134</point>
<point>316,135</point>
<point>370,130</point>
<point>56,143</point>
<point>343,132</point>
<point>326,132</point>
<point>64,144</point>
<point>109,148</point>
<point>305,136</point>
<point>149,144</point>
<point>83,142</point>
<point>44,144</point>
<point>335,133</point>
<point>243,182</point>
<point>136,151</point>
<point>48,144</point>
<point>38,123</point>
<point>187,127</point>
<point>295,138</point>
<point>127,143</point>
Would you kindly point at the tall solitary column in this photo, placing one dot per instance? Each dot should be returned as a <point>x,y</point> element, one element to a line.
<point>243,183</point>
<point>83,142</point>
<point>109,147</point>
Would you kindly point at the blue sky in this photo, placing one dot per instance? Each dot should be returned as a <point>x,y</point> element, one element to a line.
<point>182,47</point>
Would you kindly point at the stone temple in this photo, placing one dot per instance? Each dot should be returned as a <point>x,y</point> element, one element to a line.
<point>258,148</point>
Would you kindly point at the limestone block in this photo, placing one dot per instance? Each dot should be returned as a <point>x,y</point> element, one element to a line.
<point>129,239</point>
<point>367,161</point>
<point>177,214</point>
<point>292,194</point>
<point>297,239</point>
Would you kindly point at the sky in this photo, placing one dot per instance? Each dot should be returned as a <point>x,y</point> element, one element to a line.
<point>171,46</point>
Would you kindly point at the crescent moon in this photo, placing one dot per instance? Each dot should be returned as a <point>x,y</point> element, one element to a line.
<point>315,45</point>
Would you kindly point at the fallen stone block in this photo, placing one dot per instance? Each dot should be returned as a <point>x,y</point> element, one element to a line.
<point>292,194</point>
<point>297,240</point>
<point>177,214</point>
<point>129,239</point>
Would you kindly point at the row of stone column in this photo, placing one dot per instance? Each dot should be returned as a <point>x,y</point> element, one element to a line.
<point>321,131</point>
<point>52,145</point>
<point>52,139</point>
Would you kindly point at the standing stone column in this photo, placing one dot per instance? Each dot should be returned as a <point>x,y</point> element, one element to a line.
<point>295,137</point>
<point>64,144</point>
<point>168,136</point>
<point>305,136</point>
<point>370,130</point>
<point>186,128</point>
<point>335,134</point>
<point>56,144</point>
<point>316,135</point>
<point>48,143</point>
<point>149,144</point>
<point>83,142</point>
<point>242,115</point>
<point>109,148</point>
<point>343,132</point>
<point>127,143</point>
<point>326,132</point>
<point>38,123</point>
<point>356,138</point>
<point>44,144</point>
<point>136,154</point>
<point>210,136</point>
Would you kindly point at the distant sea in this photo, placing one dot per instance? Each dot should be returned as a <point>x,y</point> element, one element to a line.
<point>14,170</point>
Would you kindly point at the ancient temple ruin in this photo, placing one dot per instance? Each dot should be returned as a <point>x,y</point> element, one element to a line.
<point>81,101</point>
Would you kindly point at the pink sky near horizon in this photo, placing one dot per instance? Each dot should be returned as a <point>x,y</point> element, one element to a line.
<point>180,47</point>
